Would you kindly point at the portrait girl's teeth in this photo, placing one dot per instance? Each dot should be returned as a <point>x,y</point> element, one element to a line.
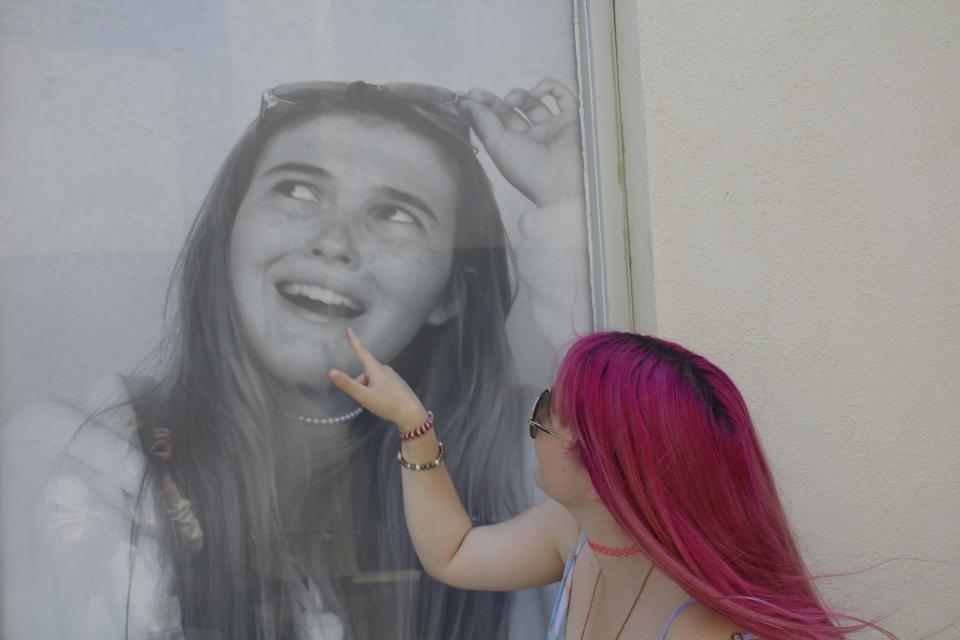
<point>320,300</point>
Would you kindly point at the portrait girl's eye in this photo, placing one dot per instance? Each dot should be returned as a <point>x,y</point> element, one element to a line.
<point>390,220</point>
<point>393,213</point>
<point>299,191</point>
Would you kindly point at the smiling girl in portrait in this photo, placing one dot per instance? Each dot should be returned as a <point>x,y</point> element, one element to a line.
<point>238,493</point>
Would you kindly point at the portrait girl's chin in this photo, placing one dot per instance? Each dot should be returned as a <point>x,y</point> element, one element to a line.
<point>301,371</point>
<point>304,382</point>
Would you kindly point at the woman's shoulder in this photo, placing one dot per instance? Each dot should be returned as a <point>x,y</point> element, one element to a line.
<point>94,435</point>
<point>103,404</point>
<point>559,524</point>
<point>70,490</point>
<point>71,473</point>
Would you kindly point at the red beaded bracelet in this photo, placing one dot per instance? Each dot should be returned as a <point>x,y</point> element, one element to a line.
<point>419,431</point>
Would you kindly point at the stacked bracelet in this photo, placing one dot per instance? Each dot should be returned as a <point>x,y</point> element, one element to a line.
<point>419,431</point>
<point>420,467</point>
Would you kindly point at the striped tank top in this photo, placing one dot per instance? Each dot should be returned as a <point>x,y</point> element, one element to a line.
<point>558,619</point>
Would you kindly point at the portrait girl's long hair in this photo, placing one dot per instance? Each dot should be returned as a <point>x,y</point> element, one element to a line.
<point>223,408</point>
<point>672,452</point>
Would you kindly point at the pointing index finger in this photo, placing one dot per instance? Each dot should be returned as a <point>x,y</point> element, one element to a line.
<point>366,358</point>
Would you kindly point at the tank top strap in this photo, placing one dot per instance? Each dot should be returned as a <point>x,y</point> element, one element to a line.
<point>577,545</point>
<point>683,607</point>
<point>743,635</point>
<point>558,619</point>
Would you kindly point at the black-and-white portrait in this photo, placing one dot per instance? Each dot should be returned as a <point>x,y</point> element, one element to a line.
<point>197,200</point>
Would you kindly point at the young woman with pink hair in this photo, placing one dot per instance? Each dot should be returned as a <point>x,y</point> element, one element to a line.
<point>662,518</point>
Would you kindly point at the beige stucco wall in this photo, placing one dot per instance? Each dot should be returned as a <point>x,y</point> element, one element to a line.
<point>796,169</point>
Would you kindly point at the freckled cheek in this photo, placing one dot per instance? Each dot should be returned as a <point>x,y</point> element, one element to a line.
<point>256,242</point>
<point>261,214</point>
<point>418,271</point>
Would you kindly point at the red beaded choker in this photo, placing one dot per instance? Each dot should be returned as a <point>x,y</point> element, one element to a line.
<point>614,552</point>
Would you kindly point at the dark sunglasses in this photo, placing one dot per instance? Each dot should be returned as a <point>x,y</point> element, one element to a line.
<point>541,409</point>
<point>437,104</point>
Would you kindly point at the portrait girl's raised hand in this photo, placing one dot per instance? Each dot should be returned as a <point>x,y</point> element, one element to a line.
<point>535,147</point>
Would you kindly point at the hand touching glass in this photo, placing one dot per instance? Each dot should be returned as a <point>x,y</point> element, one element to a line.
<point>380,389</point>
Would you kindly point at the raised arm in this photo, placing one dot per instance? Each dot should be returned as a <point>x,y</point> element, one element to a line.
<point>525,551</point>
<point>533,138</point>
<point>535,147</point>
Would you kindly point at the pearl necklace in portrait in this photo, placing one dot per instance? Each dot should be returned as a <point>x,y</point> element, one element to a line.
<point>346,417</point>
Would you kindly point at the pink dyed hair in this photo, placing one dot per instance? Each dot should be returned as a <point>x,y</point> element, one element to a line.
<point>669,445</point>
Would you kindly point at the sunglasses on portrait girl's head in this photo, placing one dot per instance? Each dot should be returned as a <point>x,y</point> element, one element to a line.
<point>541,410</point>
<point>439,105</point>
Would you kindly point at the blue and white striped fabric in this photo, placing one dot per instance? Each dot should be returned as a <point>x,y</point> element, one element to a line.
<point>558,619</point>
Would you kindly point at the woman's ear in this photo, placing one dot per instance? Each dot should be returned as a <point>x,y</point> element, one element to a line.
<point>453,303</point>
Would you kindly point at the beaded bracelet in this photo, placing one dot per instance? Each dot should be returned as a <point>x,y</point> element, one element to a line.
<point>420,467</point>
<point>419,431</point>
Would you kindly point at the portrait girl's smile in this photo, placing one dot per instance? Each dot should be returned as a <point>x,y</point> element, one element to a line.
<point>347,220</point>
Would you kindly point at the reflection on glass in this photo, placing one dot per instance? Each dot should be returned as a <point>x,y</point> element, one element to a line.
<point>236,493</point>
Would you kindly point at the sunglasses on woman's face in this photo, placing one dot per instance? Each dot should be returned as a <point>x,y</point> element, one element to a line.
<point>541,411</point>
